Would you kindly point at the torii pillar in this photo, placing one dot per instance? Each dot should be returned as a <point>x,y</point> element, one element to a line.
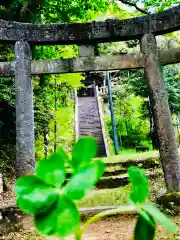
<point>161,113</point>
<point>25,153</point>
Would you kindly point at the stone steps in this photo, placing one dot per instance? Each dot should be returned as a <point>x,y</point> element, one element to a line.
<point>90,123</point>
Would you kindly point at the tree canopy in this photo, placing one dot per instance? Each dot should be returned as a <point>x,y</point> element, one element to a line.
<point>45,87</point>
<point>76,11</point>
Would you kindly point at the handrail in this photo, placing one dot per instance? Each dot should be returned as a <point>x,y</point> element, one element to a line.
<point>76,117</point>
<point>102,121</point>
<point>103,90</point>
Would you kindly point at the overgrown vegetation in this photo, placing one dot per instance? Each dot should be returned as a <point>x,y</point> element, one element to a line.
<point>53,205</point>
<point>54,107</point>
<point>130,93</point>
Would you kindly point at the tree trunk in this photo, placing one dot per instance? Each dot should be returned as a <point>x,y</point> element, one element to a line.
<point>178,132</point>
<point>25,154</point>
<point>45,144</point>
<point>161,114</point>
<point>154,138</point>
<point>55,117</point>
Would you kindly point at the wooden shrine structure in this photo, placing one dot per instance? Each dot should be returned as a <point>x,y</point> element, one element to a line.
<point>144,28</point>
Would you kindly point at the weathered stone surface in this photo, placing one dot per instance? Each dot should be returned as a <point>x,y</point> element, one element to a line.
<point>25,153</point>
<point>109,173</point>
<point>86,51</point>
<point>90,122</point>
<point>144,163</point>
<point>118,181</point>
<point>91,32</point>
<point>118,168</point>
<point>83,64</point>
<point>171,202</point>
<point>161,114</point>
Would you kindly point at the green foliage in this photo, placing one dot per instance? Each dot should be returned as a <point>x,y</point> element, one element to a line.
<point>65,132</point>
<point>21,10</point>
<point>132,107</point>
<point>144,230</point>
<point>159,5</point>
<point>73,11</point>
<point>7,90</point>
<point>79,10</point>
<point>87,176</point>
<point>137,85</point>
<point>7,156</point>
<point>148,213</point>
<point>33,195</point>
<point>53,11</point>
<point>158,216</point>
<point>79,154</point>
<point>61,220</point>
<point>44,196</point>
<point>147,143</point>
<point>45,89</point>
<point>132,129</point>
<point>172,84</point>
<point>56,173</point>
<point>140,185</point>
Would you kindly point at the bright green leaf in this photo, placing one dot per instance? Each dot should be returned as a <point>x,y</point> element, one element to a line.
<point>52,169</point>
<point>139,183</point>
<point>84,179</point>
<point>100,166</point>
<point>144,230</point>
<point>159,216</point>
<point>61,220</point>
<point>33,196</point>
<point>83,151</point>
<point>144,214</point>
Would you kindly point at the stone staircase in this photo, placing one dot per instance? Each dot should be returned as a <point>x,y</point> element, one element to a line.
<point>90,122</point>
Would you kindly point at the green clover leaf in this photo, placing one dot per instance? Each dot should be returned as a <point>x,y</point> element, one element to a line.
<point>33,196</point>
<point>83,151</point>
<point>139,183</point>
<point>144,229</point>
<point>61,220</point>
<point>52,170</point>
<point>84,179</point>
<point>159,216</point>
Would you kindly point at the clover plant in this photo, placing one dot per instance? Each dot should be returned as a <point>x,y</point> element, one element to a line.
<point>51,199</point>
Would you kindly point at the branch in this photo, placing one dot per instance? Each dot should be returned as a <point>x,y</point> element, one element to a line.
<point>134,5</point>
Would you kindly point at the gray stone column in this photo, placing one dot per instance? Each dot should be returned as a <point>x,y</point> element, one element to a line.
<point>161,113</point>
<point>25,153</point>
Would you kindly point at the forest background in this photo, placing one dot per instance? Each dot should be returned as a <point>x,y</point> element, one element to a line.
<point>53,94</point>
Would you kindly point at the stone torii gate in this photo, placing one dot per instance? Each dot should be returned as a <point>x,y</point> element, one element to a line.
<point>86,34</point>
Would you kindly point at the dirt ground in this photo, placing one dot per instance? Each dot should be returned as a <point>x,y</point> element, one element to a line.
<point>110,229</point>
<point>113,228</point>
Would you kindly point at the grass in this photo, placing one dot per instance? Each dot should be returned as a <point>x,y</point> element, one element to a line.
<point>106,197</point>
<point>119,196</point>
<point>131,155</point>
